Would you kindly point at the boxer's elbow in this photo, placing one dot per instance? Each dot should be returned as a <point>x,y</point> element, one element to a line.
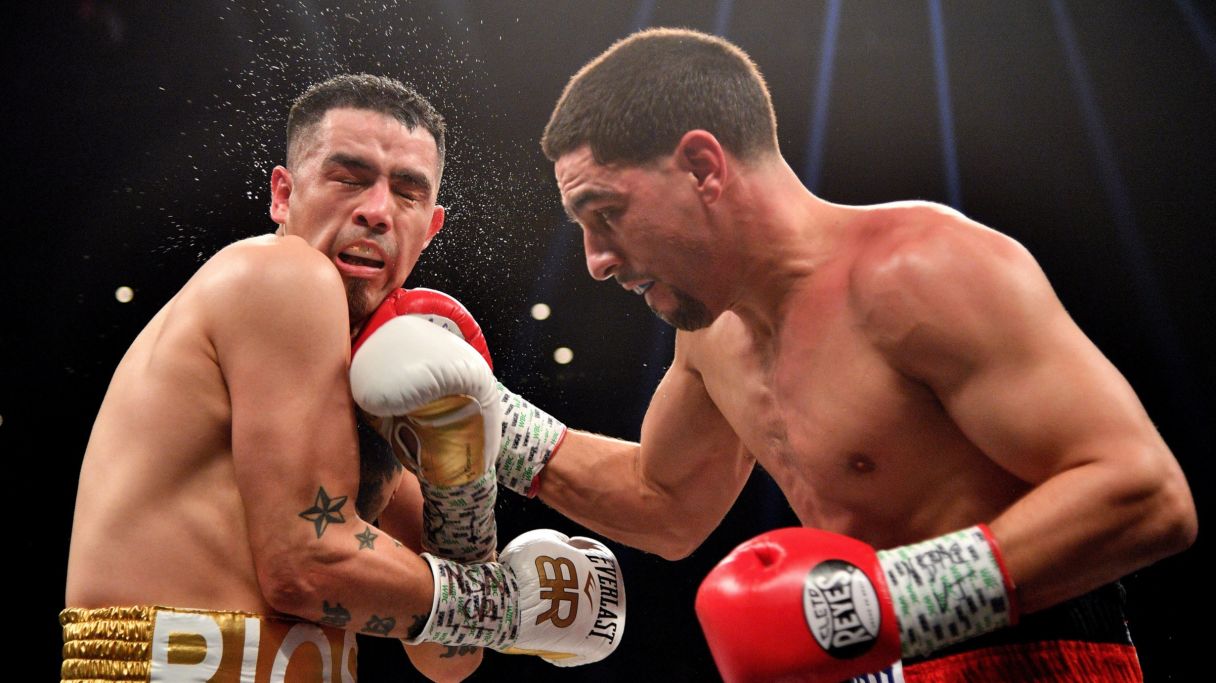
<point>295,582</point>
<point>286,593</point>
<point>1175,517</point>
<point>1168,520</point>
<point>442,663</point>
<point>679,539</point>
<point>449,674</point>
<point>676,552</point>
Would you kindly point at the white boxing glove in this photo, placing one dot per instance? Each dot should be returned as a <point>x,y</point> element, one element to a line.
<point>435,400</point>
<point>552,596</point>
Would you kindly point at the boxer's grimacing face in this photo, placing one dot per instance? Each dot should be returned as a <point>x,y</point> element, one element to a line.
<point>641,227</point>
<point>362,192</point>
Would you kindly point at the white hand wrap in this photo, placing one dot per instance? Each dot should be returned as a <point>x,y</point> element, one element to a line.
<point>529,438</point>
<point>948,589</point>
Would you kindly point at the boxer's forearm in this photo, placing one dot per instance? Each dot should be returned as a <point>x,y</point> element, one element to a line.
<point>603,484</point>
<point>594,481</point>
<point>402,519</point>
<point>1095,523</point>
<point>355,576</point>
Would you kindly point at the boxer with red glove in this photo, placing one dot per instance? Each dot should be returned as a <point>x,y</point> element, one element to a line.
<point>809,605</point>
<point>431,394</point>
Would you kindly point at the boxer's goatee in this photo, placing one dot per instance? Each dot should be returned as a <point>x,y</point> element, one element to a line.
<point>689,315</point>
<point>359,305</point>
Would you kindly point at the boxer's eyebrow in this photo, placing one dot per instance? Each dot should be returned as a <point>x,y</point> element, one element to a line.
<point>410,178</point>
<point>349,161</point>
<point>578,203</point>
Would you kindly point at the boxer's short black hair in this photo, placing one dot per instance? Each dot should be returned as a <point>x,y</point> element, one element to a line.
<point>634,102</point>
<point>362,91</point>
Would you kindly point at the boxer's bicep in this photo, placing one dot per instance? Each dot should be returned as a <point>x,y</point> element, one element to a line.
<point>976,320</point>
<point>282,340</point>
<point>689,452</point>
<point>986,332</point>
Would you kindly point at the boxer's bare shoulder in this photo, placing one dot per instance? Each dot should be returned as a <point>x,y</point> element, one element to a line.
<point>923,270</point>
<point>265,266</point>
<point>819,402</point>
<point>159,514</point>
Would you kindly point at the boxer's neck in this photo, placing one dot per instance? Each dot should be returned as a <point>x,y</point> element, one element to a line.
<point>784,235</point>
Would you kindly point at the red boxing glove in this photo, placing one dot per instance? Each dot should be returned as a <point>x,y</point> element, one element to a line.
<point>434,306</point>
<point>810,605</point>
<point>798,604</point>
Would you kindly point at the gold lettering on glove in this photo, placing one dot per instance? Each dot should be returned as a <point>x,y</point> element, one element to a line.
<point>559,583</point>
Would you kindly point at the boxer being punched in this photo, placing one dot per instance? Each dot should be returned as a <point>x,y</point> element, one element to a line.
<point>225,517</point>
<point>906,375</point>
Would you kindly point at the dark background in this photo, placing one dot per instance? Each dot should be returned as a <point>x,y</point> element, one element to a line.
<point>139,138</point>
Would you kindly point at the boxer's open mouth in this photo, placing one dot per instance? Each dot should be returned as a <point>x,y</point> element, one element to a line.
<point>360,261</point>
<point>362,253</point>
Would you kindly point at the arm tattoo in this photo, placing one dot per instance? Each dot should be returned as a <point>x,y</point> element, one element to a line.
<point>416,626</point>
<point>335,616</point>
<point>367,539</point>
<point>325,511</point>
<point>379,626</point>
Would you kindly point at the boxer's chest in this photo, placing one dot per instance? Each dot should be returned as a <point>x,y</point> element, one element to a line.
<point>850,440</point>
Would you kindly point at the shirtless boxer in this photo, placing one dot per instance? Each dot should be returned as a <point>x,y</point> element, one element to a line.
<point>906,375</point>
<point>223,529</point>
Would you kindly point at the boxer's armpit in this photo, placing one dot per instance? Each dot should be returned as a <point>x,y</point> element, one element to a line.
<point>325,510</point>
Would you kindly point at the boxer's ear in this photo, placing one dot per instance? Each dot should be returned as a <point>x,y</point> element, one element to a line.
<point>700,154</point>
<point>280,194</point>
<point>437,217</point>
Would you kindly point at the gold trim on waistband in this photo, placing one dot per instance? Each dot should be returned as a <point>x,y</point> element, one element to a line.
<point>106,644</point>
<point>169,643</point>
